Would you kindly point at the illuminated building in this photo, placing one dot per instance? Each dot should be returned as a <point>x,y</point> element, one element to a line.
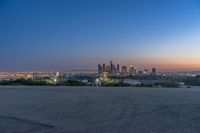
<point>111,67</point>
<point>104,67</point>
<point>124,69</point>
<point>57,74</point>
<point>153,70</point>
<point>118,68</point>
<point>107,69</point>
<point>100,69</point>
<point>132,70</point>
<point>141,72</point>
<point>145,71</point>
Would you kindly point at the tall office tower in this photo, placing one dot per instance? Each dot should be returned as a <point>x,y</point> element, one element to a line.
<point>104,67</point>
<point>100,69</point>
<point>111,67</point>
<point>107,69</point>
<point>145,71</point>
<point>124,69</point>
<point>153,70</point>
<point>134,70</point>
<point>114,69</point>
<point>118,68</point>
<point>131,69</point>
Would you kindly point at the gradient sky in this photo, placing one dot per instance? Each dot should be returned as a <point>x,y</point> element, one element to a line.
<point>79,34</point>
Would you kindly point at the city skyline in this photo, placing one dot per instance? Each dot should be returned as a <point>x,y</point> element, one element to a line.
<point>67,35</point>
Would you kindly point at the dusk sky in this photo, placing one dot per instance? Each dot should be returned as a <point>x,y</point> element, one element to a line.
<point>80,34</point>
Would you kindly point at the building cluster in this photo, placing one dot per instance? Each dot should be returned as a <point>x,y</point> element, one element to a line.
<point>26,75</point>
<point>116,70</point>
<point>49,77</point>
<point>111,69</point>
<point>15,75</point>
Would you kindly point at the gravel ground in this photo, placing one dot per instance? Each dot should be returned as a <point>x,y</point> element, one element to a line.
<point>99,110</point>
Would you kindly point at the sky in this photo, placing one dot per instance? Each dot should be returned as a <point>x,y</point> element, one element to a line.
<point>53,35</point>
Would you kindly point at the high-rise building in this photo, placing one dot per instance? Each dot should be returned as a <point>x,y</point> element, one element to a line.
<point>111,67</point>
<point>153,70</point>
<point>100,69</point>
<point>146,72</point>
<point>124,69</point>
<point>104,67</point>
<point>141,72</point>
<point>107,69</point>
<point>132,70</point>
<point>114,69</point>
<point>118,68</point>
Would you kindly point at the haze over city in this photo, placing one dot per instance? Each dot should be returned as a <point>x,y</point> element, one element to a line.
<point>65,35</point>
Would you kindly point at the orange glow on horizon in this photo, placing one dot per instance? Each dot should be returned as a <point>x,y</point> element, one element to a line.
<point>166,63</point>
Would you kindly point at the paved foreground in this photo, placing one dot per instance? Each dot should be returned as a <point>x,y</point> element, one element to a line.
<point>99,110</point>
